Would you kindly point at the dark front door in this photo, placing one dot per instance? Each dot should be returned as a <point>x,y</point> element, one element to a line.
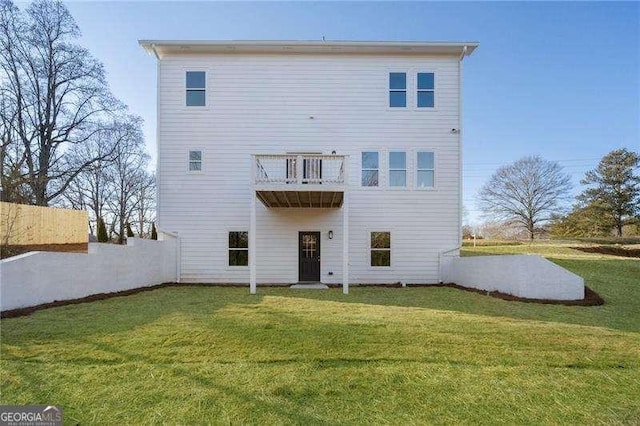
<point>309,256</point>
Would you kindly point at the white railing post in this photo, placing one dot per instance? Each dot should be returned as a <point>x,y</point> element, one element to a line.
<point>299,169</point>
<point>345,242</point>
<point>252,231</point>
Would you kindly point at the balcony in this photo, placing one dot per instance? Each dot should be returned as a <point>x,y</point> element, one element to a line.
<point>300,180</point>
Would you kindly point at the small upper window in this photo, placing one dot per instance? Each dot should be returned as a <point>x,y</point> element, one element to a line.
<point>397,169</point>
<point>370,168</point>
<point>398,89</point>
<point>426,90</point>
<point>425,169</point>
<point>238,248</point>
<point>195,161</point>
<point>381,249</point>
<point>196,88</point>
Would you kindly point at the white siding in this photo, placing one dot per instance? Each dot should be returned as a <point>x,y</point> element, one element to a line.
<point>264,104</point>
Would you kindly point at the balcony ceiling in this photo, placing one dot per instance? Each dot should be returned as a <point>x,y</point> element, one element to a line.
<point>301,199</point>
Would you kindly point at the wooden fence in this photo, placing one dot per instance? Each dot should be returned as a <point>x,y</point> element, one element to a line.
<point>30,225</point>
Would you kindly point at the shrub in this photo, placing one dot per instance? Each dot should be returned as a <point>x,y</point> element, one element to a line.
<point>102,231</point>
<point>129,231</point>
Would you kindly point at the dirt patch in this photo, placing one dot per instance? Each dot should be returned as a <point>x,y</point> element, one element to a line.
<point>14,250</point>
<point>611,250</point>
<point>591,298</point>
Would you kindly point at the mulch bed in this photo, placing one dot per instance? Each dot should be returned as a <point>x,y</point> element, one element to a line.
<point>612,250</point>
<point>591,297</point>
<point>94,297</point>
<point>14,250</point>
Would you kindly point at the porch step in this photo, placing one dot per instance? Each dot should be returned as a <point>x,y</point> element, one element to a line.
<point>314,286</point>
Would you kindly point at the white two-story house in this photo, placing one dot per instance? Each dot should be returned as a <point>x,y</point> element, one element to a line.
<point>282,162</point>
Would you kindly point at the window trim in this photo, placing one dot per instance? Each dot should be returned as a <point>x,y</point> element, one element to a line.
<point>195,172</point>
<point>417,91</point>
<point>206,88</point>
<point>406,91</point>
<point>370,249</point>
<point>379,169</point>
<point>407,161</point>
<point>228,258</point>
<point>435,168</point>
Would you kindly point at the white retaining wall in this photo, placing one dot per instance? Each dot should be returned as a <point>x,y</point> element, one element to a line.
<point>42,277</point>
<point>528,276</point>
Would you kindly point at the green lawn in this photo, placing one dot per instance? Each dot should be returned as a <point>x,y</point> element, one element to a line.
<point>378,355</point>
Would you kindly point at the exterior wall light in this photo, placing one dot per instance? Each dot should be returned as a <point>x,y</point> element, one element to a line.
<point>331,235</point>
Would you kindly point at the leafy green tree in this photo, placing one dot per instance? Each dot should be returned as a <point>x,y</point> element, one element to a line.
<point>154,232</point>
<point>102,231</point>
<point>614,187</point>
<point>583,221</point>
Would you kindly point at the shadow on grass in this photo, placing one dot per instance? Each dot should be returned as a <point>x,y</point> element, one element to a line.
<point>616,280</point>
<point>122,313</point>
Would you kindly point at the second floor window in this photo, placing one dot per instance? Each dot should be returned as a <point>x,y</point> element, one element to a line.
<point>426,169</point>
<point>196,87</point>
<point>426,90</point>
<point>195,161</point>
<point>398,89</point>
<point>398,169</point>
<point>370,168</point>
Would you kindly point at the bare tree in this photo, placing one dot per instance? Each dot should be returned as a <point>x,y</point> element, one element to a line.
<point>525,193</point>
<point>145,204</point>
<point>56,95</point>
<point>129,175</point>
<point>94,186</point>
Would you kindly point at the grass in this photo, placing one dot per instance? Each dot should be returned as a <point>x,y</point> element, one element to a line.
<point>378,355</point>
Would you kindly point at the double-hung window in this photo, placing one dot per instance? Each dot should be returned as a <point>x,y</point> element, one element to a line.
<point>370,168</point>
<point>196,86</point>
<point>426,169</point>
<point>238,248</point>
<point>195,161</point>
<point>397,89</point>
<point>397,169</point>
<point>426,90</point>
<point>381,249</point>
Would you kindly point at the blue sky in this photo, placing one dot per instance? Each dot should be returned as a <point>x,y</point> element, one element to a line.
<point>555,79</point>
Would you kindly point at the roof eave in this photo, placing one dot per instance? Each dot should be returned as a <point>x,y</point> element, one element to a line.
<point>161,47</point>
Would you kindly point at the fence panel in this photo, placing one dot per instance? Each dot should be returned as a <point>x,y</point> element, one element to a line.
<point>22,224</point>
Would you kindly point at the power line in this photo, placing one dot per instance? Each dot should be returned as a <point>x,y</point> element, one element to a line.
<point>568,160</point>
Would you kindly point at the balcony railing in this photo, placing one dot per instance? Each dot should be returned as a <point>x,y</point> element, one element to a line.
<point>311,169</point>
